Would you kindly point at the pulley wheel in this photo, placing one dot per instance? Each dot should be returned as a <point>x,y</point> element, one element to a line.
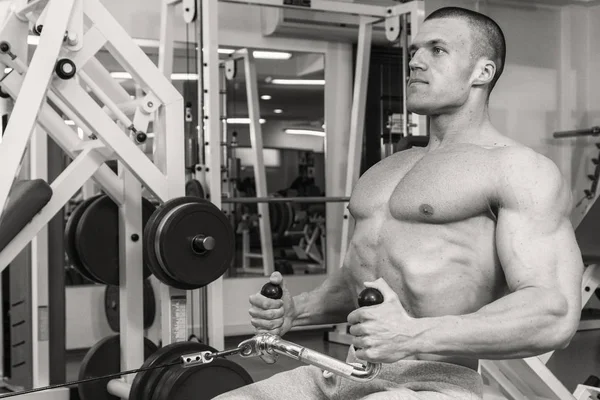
<point>145,383</point>
<point>203,382</point>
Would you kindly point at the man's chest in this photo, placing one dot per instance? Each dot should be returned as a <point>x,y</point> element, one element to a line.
<point>440,187</point>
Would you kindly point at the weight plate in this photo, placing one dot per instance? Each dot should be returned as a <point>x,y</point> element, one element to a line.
<point>150,255</point>
<point>104,358</point>
<point>97,239</point>
<point>70,233</point>
<point>287,218</point>
<point>275,214</point>
<point>112,301</point>
<point>194,188</point>
<point>203,382</point>
<point>145,382</point>
<point>174,242</point>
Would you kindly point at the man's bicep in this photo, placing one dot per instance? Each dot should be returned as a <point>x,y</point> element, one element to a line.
<point>535,252</point>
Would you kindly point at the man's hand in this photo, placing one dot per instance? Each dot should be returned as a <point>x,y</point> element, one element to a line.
<point>383,333</point>
<point>273,316</point>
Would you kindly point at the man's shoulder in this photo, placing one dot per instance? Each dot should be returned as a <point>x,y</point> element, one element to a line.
<point>526,176</point>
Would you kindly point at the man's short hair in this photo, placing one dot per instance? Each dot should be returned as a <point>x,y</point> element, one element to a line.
<point>487,36</point>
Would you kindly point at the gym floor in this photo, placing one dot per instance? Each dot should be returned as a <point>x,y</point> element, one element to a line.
<point>572,366</point>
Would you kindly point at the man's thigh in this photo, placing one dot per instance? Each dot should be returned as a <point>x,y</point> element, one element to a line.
<point>300,383</point>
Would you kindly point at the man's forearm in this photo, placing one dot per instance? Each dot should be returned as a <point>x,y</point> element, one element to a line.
<point>522,324</point>
<point>330,303</point>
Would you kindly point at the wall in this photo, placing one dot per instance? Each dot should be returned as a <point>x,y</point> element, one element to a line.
<point>523,104</point>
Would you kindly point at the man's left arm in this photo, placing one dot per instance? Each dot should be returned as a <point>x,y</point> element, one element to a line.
<point>543,268</point>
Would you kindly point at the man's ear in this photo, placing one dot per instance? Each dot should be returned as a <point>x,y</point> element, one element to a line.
<point>484,72</point>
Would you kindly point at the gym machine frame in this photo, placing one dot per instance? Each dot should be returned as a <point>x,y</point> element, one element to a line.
<point>33,85</point>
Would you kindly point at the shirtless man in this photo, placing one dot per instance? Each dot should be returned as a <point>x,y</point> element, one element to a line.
<point>468,239</point>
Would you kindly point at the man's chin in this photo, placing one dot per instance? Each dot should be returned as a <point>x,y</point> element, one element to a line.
<point>420,109</point>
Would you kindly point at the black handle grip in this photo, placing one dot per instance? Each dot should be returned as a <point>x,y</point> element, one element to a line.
<point>370,297</point>
<point>272,291</point>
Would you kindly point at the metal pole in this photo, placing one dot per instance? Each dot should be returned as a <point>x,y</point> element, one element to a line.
<point>253,200</point>
<point>593,131</point>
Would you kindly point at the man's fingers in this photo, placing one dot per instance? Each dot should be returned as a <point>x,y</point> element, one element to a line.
<point>266,324</point>
<point>276,278</point>
<point>357,330</point>
<point>266,314</point>
<point>260,301</point>
<point>359,315</point>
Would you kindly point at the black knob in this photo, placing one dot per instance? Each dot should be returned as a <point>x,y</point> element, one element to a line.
<point>65,68</point>
<point>141,137</point>
<point>370,297</point>
<point>4,47</point>
<point>272,291</point>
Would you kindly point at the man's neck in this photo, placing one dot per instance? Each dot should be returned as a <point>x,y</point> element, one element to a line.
<point>464,126</point>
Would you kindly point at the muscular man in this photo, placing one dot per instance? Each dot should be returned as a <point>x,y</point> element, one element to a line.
<point>468,239</point>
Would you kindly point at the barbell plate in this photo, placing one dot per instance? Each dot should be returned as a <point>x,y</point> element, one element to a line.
<point>97,239</point>
<point>203,382</point>
<point>104,358</point>
<point>69,237</point>
<point>172,242</point>
<point>145,382</point>
<point>194,188</point>
<point>112,309</point>
<point>150,255</point>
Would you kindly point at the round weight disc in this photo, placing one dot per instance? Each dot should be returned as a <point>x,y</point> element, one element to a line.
<point>194,188</point>
<point>150,256</point>
<point>203,382</point>
<point>112,311</point>
<point>71,232</point>
<point>145,382</point>
<point>104,358</point>
<point>97,239</point>
<point>174,244</point>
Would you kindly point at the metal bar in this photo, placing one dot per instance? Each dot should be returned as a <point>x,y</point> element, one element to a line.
<point>118,388</point>
<point>332,6</point>
<point>107,101</point>
<point>212,135</point>
<point>39,271</point>
<point>131,274</point>
<point>593,131</point>
<point>253,200</point>
<point>109,134</point>
<point>35,84</point>
<point>357,119</point>
<point>256,139</point>
<point>122,47</point>
<point>406,124</point>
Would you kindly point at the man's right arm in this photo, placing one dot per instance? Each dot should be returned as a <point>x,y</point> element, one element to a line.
<point>330,303</point>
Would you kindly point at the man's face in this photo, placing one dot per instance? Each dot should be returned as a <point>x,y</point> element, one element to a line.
<point>440,67</point>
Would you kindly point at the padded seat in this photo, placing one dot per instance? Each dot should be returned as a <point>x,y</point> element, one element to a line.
<point>25,200</point>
